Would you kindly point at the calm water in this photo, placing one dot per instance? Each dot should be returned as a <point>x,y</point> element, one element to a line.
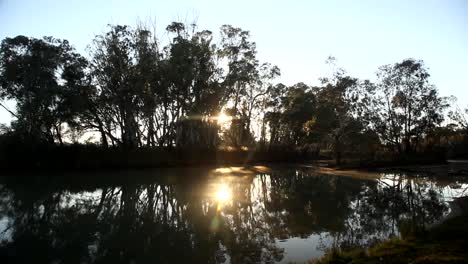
<point>224,215</point>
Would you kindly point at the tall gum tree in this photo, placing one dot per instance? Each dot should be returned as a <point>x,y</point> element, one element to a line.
<point>40,76</point>
<point>408,106</point>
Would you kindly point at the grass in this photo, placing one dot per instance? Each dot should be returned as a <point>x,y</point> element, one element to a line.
<point>445,243</point>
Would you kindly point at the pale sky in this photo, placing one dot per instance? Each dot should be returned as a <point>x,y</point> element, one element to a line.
<point>295,35</point>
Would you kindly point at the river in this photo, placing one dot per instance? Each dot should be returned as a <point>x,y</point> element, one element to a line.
<point>211,215</point>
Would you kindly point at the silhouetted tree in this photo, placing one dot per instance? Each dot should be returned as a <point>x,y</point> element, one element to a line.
<point>41,76</point>
<point>408,106</point>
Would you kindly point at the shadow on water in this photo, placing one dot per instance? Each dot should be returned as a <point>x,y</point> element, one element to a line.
<point>225,215</point>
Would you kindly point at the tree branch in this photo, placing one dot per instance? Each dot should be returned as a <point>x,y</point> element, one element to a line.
<point>9,111</point>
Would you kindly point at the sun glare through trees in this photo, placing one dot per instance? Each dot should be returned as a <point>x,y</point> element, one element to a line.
<point>235,136</point>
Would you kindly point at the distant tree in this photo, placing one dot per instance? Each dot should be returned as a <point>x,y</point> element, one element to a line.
<point>299,104</point>
<point>257,92</point>
<point>339,117</point>
<point>459,116</point>
<point>407,106</point>
<point>273,111</point>
<point>334,120</point>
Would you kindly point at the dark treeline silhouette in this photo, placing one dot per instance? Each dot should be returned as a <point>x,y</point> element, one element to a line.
<point>135,92</point>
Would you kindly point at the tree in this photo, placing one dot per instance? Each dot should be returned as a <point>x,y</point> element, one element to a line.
<point>256,94</point>
<point>193,84</point>
<point>148,81</point>
<point>246,83</point>
<point>459,117</point>
<point>298,107</point>
<point>113,71</point>
<point>239,54</point>
<point>41,76</point>
<point>273,111</point>
<point>338,116</point>
<point>407,105</point>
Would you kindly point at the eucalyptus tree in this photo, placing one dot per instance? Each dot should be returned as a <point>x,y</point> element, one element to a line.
<point>341,116</point>
<point>238,53</point>
<point>273,111</point>
<point>242,64</point>
<point>148,82</point>
<point>257,93</point>
<point>246,82</point>
<point>168,95</point>
<point>459,116</point>
<point>408,106</point>
<point>193,72</point>
<point>299,105</point>
<point>112,70</point>
<point>334,119</point>
<point>195,94</point>
<point>40,76</point>
<point>126,69</point>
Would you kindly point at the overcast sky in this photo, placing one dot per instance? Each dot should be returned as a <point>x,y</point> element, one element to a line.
<point>295,35</point>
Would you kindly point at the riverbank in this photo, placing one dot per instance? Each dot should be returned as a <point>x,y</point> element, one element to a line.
<point>92,157</point>
<point>444,243</point>
<point>79,157</point>
<point>440,170</point>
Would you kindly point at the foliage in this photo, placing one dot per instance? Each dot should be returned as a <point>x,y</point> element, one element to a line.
<point>135,92</point>
<point>408,107</point>
<point>40,75</point>
<point>444,244</point>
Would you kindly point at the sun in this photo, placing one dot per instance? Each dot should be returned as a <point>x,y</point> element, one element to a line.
<point>223,118</point>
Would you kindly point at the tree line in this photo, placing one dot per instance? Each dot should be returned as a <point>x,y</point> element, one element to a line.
<point>135,90</point>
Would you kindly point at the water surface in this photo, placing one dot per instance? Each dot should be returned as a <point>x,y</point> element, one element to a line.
<point>206,215</point>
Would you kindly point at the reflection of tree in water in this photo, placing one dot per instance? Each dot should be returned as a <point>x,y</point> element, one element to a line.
<point>302,205</point>
<point>177,221</point>
<point>397,205</point>
<point>246,233</point>
<point>162,223</point>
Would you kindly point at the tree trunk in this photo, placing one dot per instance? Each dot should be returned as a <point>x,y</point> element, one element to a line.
<point>407,145</point>
<point>337,151</point>
<point>59,135</point>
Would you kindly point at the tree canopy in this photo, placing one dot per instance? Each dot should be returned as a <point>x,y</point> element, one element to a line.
<point>133,91</point>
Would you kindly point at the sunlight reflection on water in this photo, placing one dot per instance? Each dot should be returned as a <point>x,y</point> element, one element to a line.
<point>254,214</point>
<point>223,194</point>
